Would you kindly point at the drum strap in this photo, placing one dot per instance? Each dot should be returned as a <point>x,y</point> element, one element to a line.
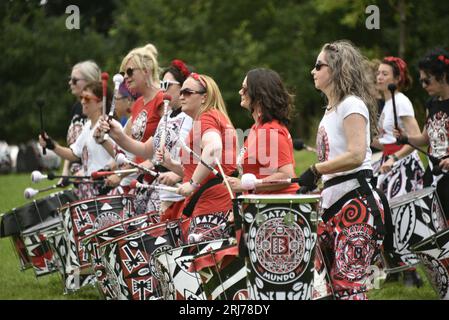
<point>365,190</point>
<point>188,210</point>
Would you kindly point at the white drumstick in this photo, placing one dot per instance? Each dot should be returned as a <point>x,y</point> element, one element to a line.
<point>224,179</point>
<point>249,181</point>
<point>159,187</point>
<point>117,79</point>
<point>120,158</point>
<point>37,176</point>
<point>167,98</point>
<point>198,157</point>
<point>197,237</point>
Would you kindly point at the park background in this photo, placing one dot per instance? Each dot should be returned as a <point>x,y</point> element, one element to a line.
<point>224,39</point>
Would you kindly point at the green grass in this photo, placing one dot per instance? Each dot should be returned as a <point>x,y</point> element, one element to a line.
<point>15,284</point>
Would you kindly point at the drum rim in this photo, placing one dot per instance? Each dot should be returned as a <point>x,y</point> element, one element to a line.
<point>112,226</point>
<point>123,236</point>
<point>280,198</point>
<point>157,255</point>
<point>55,221</point>
<point>433,238</point>
<point>398,201</point>
<point>77,202</point>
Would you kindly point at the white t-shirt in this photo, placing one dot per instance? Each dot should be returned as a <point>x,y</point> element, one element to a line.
<point>404,108</point>
<point>93,156</point>
<point>331,143</point>
<point>178,127</point>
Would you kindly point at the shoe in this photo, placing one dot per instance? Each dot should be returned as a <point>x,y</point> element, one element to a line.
<point>412,279</point>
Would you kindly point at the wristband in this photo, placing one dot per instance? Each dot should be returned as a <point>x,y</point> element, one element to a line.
<point>194,184</point>
<point>395,157</point>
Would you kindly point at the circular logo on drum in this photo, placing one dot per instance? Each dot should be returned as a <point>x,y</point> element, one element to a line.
<point>355,250</point>
<point>280,252</point>
<point>106,219</point>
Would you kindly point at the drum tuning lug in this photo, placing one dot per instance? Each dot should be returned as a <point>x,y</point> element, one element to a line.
<point>289,219</point>
<point>260,218</point>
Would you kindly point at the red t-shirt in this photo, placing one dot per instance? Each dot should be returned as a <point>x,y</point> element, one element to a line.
<point>268,147</point>
<point>216,198</point>
<point>145,119</point>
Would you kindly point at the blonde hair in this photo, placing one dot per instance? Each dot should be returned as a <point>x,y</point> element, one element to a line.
<point>348,76</point>
<point>214,99</point>
<point>144,58</point>
<point>89,70</point>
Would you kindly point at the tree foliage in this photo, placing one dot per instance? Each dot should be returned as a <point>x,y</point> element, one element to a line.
<point>224,39</point>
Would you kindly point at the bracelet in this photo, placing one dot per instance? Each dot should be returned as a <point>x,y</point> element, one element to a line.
<point>194,184</point>
<point>395,157</point>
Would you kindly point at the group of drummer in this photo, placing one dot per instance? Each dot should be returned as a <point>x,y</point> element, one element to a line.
<point>189,143</point>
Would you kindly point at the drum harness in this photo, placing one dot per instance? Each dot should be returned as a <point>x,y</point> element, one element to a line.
<point>363,190</point>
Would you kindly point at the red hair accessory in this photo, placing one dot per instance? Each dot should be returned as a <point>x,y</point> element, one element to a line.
<point>443,59</point>
<point>402,66</point>
<point>181,66</point>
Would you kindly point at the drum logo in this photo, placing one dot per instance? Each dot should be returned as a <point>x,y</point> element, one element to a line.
<point>106,219</point>
<point>438,274</point>
<point>278,252</point>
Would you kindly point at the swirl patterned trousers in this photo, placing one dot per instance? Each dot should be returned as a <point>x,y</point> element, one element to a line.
<point>351,247</point>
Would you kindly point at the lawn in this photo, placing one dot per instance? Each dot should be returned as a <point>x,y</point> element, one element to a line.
<point>15,284</point>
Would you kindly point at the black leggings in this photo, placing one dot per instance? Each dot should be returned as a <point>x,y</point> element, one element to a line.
<point>443,194</point>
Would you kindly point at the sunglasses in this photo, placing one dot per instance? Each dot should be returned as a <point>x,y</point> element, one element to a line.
<point>188,92</point>
<point>165,84</point>
<point>129,72</point>
<point>319,65</point>
<point>88,98</point>
<point>74,80</point>
<point>198,78</point>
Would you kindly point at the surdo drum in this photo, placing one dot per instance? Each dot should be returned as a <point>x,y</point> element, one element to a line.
<point>280,237</point>
<point>415,217</point>
<point>130,260</point>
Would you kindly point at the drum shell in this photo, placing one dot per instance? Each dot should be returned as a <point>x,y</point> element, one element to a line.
<point>415,217</point>
<point>34,213</point>
<point>178,281</point>
<point>280,238</point>
<point>82,218</point>
<point>129,260</point>
<point>433,253</point>
<point>39,249</point>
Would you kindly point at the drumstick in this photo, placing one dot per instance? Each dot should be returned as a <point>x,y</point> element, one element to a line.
<point>197,237</point>
<point>104,79</point>
<point>40,103</point>
<point>224,179</point>
<point>117,79</point>
<point>197,156</point>
<point>392,88</point>
<point>120,158</point>
<point>167,98</point>
<point>101,174</point>
<point>249,181</point>
<point>159,187</point>
<point>37,176</point>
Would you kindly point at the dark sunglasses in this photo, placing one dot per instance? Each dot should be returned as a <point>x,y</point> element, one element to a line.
<point>74,80</point>
<point>319,65</point>
<point>188,92</point>
<point>129,72</point>
<point>425,81</point>
<point>88,98</point>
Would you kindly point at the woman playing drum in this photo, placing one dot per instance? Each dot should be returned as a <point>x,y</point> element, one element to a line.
<point>352,229</point>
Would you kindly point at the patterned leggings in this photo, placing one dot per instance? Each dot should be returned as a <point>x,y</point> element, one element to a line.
<point>351,248</point>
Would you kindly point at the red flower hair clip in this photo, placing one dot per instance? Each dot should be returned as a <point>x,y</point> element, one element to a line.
<point>443,59</point>
<point>181,66</point>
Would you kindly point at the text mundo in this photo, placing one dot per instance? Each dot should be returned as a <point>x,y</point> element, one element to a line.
<point>73,20</point>
<point>261,148</point>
